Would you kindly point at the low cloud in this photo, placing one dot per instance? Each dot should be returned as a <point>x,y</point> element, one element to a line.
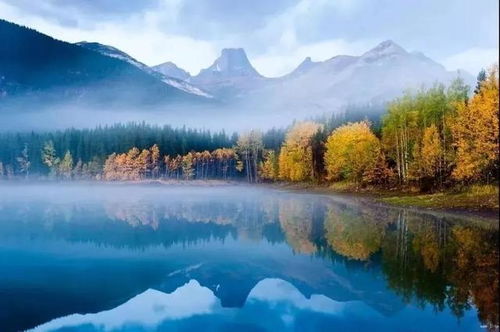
<point>472,60</point>
<point>276,34</point>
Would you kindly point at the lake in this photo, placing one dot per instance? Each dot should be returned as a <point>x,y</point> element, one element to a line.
<point>237,258</point>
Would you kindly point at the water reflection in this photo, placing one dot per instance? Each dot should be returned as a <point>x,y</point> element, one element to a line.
<point>230,256</point>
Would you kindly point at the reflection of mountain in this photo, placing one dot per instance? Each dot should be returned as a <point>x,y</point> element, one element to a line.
<point>276,300</point>
<point>96,254</point>
<point>272,305</point>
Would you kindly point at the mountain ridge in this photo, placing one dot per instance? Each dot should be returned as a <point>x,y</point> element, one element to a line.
<point>43,70</point>
<point>37,68</point>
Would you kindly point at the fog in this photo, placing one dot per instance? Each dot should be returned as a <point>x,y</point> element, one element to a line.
<point>227,117</point>
<point>96,192</point>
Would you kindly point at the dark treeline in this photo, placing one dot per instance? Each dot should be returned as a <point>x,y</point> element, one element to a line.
<point>87,145</point>
<point>21,152</point>
<point>432,138</point>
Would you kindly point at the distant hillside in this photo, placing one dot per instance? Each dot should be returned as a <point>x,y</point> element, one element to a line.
<point>39,68</point>
<point>169,80</point>
<point>170,69</point>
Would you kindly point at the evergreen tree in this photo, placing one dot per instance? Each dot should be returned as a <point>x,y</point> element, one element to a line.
<point>481,77</point>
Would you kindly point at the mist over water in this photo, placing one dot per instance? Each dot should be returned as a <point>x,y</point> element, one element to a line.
<point>253,256</point>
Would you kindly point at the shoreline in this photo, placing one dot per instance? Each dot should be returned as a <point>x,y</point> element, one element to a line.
<point>388,198</point>
<point>397,199</point>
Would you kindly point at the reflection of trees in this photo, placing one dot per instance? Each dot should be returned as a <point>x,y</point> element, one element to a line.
<point>430,260</point>
<point>353,233</point>
<point>139,214</point>
<point>296,220</point>
<point>442,263</point>
<point>248,217</point>
<point>475,272</point>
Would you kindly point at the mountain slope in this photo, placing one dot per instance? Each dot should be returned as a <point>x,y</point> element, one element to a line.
<point>170,69</point>
<point>378,75</point>
<point>45,70</point>
<point>172,81</point>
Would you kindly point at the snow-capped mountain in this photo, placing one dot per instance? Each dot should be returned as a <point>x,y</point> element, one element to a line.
<point>37,69</point>
<point>42,70</point>
<point>376,76</point>
<point>172,81</point>
<point>112,52</point>
<point>230,75</point>
<point>170,69</point>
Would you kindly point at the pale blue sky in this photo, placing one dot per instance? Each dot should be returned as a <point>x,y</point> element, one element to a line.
<point>276,34</point>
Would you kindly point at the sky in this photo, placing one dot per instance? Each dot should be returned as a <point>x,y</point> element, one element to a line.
<point>277,35</point>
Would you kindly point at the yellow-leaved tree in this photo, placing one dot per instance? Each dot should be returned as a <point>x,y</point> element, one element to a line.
<point>427,154</point>
<point>475,133</point>
<point>352,151</point>
<point>296,156</point>
<point>269,168</point>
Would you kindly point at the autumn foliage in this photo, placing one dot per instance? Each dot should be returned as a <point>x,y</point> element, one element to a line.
<point>429,139</point>
<point>475,133</point>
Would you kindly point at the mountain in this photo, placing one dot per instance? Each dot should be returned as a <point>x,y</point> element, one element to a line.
<point>170,69</point>
<point>230,75</point>
<point>112,52</point>
<point>306,65</point>
<point>35,68</point>
<point>374,77</point>
<point>172,81</point>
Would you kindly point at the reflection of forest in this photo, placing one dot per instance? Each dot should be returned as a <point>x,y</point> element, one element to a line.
<point>443,263</point>
<point>425,258</point>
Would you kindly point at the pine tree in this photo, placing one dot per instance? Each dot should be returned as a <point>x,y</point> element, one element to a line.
<point>481,77</point>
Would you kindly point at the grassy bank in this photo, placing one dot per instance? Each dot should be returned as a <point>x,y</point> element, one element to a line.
<point>474,198</point>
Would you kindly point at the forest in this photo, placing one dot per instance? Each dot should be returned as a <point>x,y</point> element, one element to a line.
<point>429,139</point>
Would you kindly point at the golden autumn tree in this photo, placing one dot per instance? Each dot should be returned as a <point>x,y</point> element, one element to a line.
<point>269,168</point>
<point>427,161</point>
<point>111,168</point>
<point>352,151</point>
<point>155,161</point>
<point>475,132</point>
<point>296,156</point>
<point>430,151</point>
<point>187,166</point>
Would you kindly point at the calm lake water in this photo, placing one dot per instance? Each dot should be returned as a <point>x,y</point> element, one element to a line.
<point>237,258</point>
